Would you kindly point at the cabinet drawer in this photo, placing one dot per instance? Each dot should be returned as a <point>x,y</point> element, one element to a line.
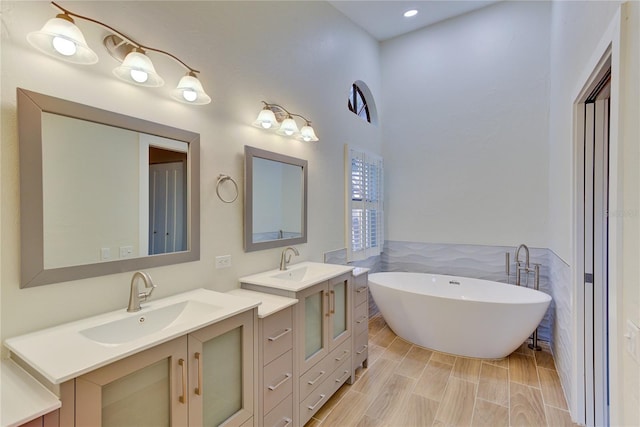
<point>315,400</point>
<point>312,379</point>
<point>323,393</point>
<point>360,289</point>
<point>361,348</point>
<point>339,355</point>
<point>281,415</point>
<point>340,375</point>
<point>278,380</point>
<point>361,318</point>
<point>278,334</point>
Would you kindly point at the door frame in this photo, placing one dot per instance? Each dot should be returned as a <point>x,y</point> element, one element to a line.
<point>607,50</point>
<point>145,142</point>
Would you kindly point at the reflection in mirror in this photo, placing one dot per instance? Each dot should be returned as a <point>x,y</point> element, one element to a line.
<point>102,192</point>
<point>103,171</point>
<point>275,200</point>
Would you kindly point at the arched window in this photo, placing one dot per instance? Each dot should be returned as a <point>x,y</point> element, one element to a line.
<point>358,103</point>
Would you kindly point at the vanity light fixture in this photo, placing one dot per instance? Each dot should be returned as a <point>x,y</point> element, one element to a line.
<point>138,69</point>
<point>61,38</point>
<point>276,117</point>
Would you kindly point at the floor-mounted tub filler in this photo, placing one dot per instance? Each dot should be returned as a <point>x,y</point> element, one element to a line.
<point>458,315</point>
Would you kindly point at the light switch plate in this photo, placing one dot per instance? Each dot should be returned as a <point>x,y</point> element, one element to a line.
<point>223,261</point>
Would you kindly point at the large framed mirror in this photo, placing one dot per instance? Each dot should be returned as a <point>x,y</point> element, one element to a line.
<point>275,200</point>
<point>102,192</point>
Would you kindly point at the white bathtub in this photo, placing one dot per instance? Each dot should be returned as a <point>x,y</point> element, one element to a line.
<point>458,315</point>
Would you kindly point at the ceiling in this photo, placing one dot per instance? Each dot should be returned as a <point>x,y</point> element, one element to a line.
<point>384,20</point>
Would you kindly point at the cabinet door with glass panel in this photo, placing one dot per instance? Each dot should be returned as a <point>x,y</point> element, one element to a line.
<point>201,379</point>
<point>323,312</point>
<point>221,377</point>
<point>148,389</point>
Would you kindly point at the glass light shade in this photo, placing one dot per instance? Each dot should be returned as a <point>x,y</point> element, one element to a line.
<point>60,38</point>
<point>138,69</point>
<point>266,119</point>
<point>308,134</point>
<point>190,91</point>
<point>288,127</point>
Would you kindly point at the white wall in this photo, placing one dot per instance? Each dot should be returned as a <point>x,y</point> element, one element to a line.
<point>628,293</point>
<point>465,129</point>
<point>303,55</point>
<point>576,29</point>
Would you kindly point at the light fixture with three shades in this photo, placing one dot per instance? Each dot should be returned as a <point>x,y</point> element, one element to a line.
<point>62,39</point>
<point>276,117</point>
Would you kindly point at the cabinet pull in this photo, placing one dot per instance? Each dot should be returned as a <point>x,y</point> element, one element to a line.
<point>199,388</point>
<point>285,332</point>
<point>183,398</point>
<point>328,304</point>
<point>361,289</point>
<point>332,306</point>
<point>362,319</point>
<point>315,380</point>
<point>312,407</point>
<point>344,354</point>
<point>342,378</point>
<point>286,377</point>
<point>287,421</point>
<point>364,347</point>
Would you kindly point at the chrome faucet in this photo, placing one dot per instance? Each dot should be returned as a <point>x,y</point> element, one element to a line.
<point>136,297</point>
<point>284,260</point>
<point>526,249</point>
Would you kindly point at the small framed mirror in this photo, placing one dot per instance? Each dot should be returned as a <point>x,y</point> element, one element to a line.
<point>101,192</point>
<point>275,200</point>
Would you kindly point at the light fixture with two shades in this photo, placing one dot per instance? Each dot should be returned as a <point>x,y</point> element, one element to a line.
<point>62,39</point>
<point>276,117</point>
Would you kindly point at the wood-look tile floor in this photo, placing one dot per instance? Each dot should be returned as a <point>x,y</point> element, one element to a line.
<point>406,385</point>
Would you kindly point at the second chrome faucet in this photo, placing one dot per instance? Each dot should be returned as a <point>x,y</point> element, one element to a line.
<point>284,260</point>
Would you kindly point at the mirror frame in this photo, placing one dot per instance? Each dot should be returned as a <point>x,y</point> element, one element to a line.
<point>249,154</point>
<point>31,105</point>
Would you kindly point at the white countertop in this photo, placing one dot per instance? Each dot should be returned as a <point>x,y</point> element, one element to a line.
<point>270,303</point>
<point>23,398</point>
<point>317,272</point>
<point>62,352</point>
<point>359,271</point>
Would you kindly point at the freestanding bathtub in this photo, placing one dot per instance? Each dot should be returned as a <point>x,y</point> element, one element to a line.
<point>458,315</point>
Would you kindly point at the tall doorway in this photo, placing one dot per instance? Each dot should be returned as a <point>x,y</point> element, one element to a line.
<point>593,269</point>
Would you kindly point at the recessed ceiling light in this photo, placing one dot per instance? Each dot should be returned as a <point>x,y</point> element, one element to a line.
<point>410,13</point>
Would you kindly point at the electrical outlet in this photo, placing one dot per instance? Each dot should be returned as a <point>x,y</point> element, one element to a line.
<point>223,261</point>
<point>126,251</point>
<point>632,335</point>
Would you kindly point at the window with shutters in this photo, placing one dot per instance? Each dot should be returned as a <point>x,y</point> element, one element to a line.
<point>364,175</point>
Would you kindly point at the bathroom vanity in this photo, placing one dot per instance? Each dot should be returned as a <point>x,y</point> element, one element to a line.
<point>270,353</point>
<point>323,351</point>
<point>187,359</point>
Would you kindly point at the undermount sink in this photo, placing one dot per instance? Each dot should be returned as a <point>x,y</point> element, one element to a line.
<point>297,276</point>
<point>305,272</point>
<point>145,322</point>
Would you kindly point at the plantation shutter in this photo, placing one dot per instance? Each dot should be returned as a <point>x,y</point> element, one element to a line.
<point>364,177</point>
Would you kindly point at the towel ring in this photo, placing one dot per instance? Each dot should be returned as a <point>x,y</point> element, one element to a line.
<point>222,178</point>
